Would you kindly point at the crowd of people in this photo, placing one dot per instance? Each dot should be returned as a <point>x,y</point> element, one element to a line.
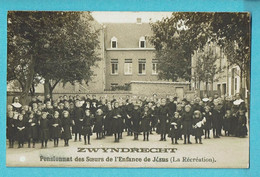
<point>51,120</point>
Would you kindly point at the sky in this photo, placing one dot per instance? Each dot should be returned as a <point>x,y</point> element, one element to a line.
<point>128,17</point>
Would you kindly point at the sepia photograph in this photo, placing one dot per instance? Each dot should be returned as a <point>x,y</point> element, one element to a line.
<point>128,89</point>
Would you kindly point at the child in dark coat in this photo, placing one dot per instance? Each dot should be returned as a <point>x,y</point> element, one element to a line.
<point>87,126</point>
<point>66,123</point>
<point>128,109</point>
<point>145,122</point>
<point>78,115</point>
<point>198,123</point>
<point>56,128</point>
<point>44,126</point>
<point>32,129</point>
<point>187,118</point>
<point>20,134</point>
<point>135,121</point>
<point>117,121</point>
<point>241,125</point>
<point>208,124</point>
<point>98,126</point>
<point>156,114</point>
<point>163,120</point>
<point>175,127</point>
<point>227,122</point>
<point>11,130</point>
<point>108,121</point>
<point>216,121</point>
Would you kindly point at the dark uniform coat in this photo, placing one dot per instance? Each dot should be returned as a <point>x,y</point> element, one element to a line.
<point>11,129</point>
<point>20,134</point>
<point>32,129</point>
<point>187,122</point>
<point>241,126</point>
<point>56,131</point>
<point>44,129</point>
<point>78,115</point>
<point>227,123</point>
<point>98,126</point>
<point>216,119</point>
<point>155,117</point>
<point>108,122</point>
<point>163,120</point>
<point>128,111</point>
<point>145,122</point>
<point>175,130</point>
<point>117,121</point>
<point>87,123</point>
<point>66,124</point>
<point>135,120</point>
<point>208,123</point>
<point>172,108</point>
<point>198,131</point>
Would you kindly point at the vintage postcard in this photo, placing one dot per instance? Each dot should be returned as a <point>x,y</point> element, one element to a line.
<point>128,89</point>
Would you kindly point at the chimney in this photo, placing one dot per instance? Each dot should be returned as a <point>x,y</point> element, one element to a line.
<point>139,20</point>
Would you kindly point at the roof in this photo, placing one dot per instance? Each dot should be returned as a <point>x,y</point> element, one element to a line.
<point>127,34</point>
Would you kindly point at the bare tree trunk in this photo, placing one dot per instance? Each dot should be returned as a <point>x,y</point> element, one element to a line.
<point>207,89</point>
<point>46,87</point>
<point>28,83</point>
<point>32,90</point>
<point>52,87</point>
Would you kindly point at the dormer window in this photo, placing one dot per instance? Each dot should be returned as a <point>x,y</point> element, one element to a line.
<point>114,42</point>
<point>142,42</point>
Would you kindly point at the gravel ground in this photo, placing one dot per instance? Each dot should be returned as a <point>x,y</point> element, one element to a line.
<point>224,152</point>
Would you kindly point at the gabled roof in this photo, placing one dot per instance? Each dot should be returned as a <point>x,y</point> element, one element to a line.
<point>127,34</point>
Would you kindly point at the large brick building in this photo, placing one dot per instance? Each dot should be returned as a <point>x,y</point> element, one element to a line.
<point>129,55</point>
<point>127,63</point>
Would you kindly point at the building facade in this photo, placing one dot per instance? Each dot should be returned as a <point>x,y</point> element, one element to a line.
<point>129,55</point>
<point>227,81</point>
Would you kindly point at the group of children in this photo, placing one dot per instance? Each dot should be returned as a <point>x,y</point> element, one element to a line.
<point>52,120</point>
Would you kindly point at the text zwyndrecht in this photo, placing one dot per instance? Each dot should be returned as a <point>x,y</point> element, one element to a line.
<point>128,150</point>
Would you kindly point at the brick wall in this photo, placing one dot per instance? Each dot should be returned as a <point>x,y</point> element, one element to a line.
<point>160,88</point>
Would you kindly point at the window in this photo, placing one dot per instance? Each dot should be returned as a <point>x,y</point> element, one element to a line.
<point>197,85</point>
<point>224,89</point>
<point>114,42</point>
<point>154,66</point>
<point>218,88</point>
<point>128,66</point>
<point>141,66</point>
<point>142,42</point>
<point>114,66</point>
<point>113,86</point>
<point>235,85</point>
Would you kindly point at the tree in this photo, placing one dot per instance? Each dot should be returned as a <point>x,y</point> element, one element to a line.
<point>21,50</point>
<point>69,56</point>
<point>205,69</point>
<point>175,40</point>
<point>233,31</point>
<point>62,47</point>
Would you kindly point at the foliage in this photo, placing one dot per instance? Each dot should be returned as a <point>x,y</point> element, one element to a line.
<point>175,40</point>
<point>55,46</point>
<point>205,69</point>
<point>233,31</point>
